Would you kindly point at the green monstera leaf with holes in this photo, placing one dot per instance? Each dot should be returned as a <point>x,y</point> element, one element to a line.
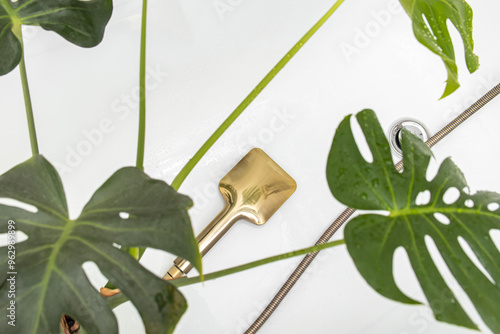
<point>80,22</point>
<point>130,209</point>
<point>430,18</point>
<point>372,239</point>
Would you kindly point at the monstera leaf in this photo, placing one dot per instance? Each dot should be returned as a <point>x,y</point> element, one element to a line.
<point>80,22</point>
<point>430,18</point>
<point>129,209</point>
<point>372,239</point>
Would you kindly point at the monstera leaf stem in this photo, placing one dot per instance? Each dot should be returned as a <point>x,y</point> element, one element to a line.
<point>120,298</point>
<point>179,179</point>
<point>141,142</point>
<point>142,89</point>
<point>26,92</point>
<point>316,248</point>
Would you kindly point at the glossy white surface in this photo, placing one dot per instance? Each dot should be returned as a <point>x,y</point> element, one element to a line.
<point>201,67</point>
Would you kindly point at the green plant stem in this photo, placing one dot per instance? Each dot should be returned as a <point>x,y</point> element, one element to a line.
<point>193,280</point>
<point>179,179</point>
<point>141,143</point>
<point>119,299</point>
<point>26,92</point>
<point>142,90</point>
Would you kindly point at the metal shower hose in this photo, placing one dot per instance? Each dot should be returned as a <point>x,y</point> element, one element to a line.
<point>294,277</point>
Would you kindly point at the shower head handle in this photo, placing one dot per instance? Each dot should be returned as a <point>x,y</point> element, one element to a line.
<point>253,190</point>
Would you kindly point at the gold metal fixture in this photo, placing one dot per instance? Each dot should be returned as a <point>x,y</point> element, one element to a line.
<point>253,190</point>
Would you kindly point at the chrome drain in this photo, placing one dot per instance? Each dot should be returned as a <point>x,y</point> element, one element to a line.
<point>413,126</point>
